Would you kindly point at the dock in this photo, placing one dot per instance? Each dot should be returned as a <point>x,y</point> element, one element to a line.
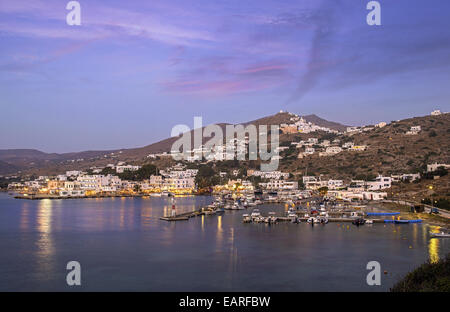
<point>184,216</point>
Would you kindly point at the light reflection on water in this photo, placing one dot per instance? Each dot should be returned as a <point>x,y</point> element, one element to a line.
<point>203,253</point>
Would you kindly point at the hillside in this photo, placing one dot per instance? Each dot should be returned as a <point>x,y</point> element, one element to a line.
<point>37,162</point>
<point>390,151</point>
<point>325,123</point>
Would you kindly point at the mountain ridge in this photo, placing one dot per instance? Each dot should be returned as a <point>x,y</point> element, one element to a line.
<point>13,160</point>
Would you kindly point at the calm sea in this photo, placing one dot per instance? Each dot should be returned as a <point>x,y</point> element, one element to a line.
<point>123,246</point>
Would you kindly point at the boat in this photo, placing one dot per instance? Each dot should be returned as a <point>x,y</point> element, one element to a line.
<point>237,206</point>
<point>209,212</point>
<point>255,213</point>
<point>258,202</point>
<point>220,210</point>
<point>383,213</point>
<point>368,221</point>
<point>359,221</point>
<point>246,218</point>
<point>439,235</point>
<point>272,218</point>
<point>165,193</point>
<point>407,221</point>
<point>228,207</point>
<point>155,194</point>
<point>323,220</point>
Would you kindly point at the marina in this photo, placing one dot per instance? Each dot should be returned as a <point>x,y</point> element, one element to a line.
<point>122,244</point>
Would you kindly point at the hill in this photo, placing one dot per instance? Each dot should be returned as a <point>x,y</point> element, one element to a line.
<point>37,162</point>
<point>389,150</point>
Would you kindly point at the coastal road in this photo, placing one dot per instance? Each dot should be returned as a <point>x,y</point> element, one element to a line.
<point>442,212</point>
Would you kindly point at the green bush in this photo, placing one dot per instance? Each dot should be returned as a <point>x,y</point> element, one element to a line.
<point>428,277</point>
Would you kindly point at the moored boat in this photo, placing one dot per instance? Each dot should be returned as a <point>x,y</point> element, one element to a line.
<point>439,235</point>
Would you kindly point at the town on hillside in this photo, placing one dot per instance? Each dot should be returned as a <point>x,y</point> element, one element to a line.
<point>202,176</point>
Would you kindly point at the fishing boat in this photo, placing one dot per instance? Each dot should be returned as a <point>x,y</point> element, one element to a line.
<point>439,235</point>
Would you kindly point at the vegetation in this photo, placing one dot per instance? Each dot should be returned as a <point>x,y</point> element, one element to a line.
<point>142,174</point>
<point>428,277</point>
<point>206,177</point>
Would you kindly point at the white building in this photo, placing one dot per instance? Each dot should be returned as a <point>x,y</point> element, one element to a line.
<point>436,112</point>
<point>379,183</point>
<point>334,184</point>
<point>435,166</point>
<point>281,185</point>
<point>122,169</point>
<point>333,150</point>
<point>374,195</point>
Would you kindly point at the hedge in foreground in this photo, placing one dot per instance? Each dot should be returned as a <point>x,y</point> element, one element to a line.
<point>427,277</point>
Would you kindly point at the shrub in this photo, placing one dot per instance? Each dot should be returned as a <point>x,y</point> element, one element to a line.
<point>428,277</point>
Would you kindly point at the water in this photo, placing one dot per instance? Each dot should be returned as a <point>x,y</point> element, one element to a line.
<point>123,246</point>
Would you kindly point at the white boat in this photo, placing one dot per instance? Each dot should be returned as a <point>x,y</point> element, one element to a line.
<point>439,235</point>
<point>246,218</point>
<point>237,206</point>
<point>258,202</point>
<point>368,221</point>
<point>255,213</point>
<point>272,217</point>
<point>165,193</point>
<point>155,194</point>
<point>312,220</point>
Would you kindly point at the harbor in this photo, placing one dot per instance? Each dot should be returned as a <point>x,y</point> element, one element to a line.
<point>312,210</point>
<point>201,252</point>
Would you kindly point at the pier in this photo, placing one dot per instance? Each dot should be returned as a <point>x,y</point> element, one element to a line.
<point>184,216</point>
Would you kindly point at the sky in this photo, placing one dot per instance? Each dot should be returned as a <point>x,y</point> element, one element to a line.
<point>135,69</point>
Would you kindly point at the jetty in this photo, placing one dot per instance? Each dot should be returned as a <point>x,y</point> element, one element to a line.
<point>184,216</point>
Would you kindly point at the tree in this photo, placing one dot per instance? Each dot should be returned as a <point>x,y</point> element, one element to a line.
<point>142,173</point>
<point>206,177</point>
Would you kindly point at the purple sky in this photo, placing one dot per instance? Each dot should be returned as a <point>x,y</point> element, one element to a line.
<point>135,69</point>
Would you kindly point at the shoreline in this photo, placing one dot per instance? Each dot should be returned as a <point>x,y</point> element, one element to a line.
<point>405,213</point>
